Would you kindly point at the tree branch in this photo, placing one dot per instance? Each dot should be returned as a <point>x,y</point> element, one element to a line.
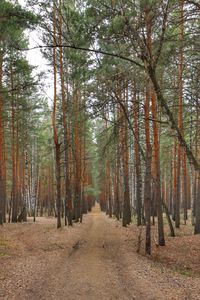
<point>98,51</point>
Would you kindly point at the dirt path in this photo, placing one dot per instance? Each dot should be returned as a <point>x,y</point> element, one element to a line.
<point>93,260</point>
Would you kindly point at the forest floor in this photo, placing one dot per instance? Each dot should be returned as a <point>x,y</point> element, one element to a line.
<point>94,260</point>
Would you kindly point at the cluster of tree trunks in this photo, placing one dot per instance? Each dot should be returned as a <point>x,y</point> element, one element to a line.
<point>73,138</point>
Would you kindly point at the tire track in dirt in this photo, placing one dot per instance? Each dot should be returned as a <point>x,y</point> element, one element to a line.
<point>90,261</point>
<point>89,272</point>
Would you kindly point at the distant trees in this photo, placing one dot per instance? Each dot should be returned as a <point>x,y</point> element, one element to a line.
<point>16,86</point>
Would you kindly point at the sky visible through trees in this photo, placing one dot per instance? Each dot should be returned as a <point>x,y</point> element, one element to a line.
<point>36,58</point>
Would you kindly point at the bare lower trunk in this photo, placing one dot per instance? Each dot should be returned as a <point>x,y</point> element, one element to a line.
<point>2,153</point>
<point>137,163</point>
<point>125,158</point>
<point>58,185</point>
<point>147,201</point>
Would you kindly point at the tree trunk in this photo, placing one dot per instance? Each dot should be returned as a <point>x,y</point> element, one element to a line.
<point>2,151</point>
<point>77,155</point>
<point>178,188</point>
<point>125,159</point>
<point>137,161</point>
<point>161,238</point>
<point>147,183</point>
<point>172,233</point>
<point>180,121</point>
<point>14,156</point>
<point>185,190</point>
<point>147,200</point>
<point>197,209</point>
<point>108,181</point>
<point>68,195</point>
<point>55,135</point>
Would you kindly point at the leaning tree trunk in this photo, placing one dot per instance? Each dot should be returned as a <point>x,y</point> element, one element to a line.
<point>192,159</point>
<point>156,150</point>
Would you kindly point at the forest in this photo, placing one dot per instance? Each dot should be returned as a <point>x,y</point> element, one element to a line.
<point>99,149</point>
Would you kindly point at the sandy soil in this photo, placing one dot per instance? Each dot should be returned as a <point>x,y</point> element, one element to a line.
<point>94,260</point>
